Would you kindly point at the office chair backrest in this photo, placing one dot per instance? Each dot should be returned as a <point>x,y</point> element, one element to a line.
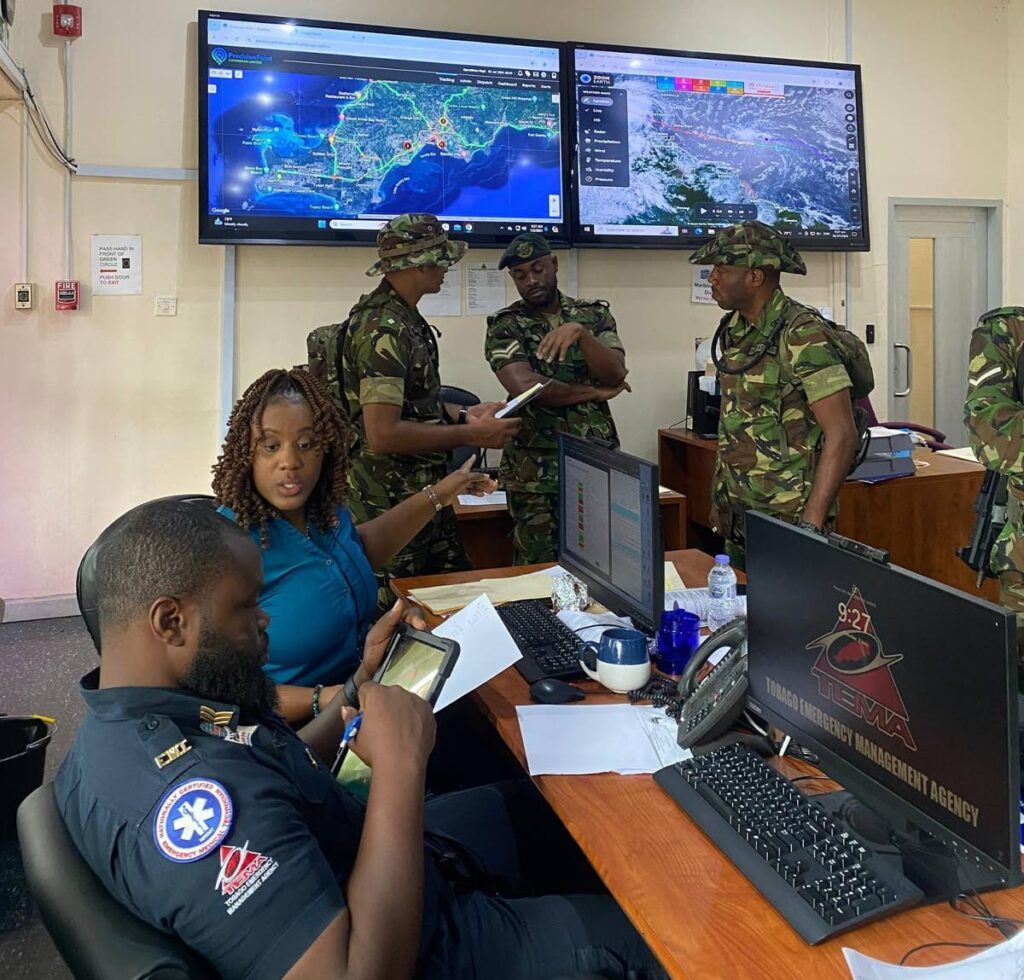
<point>460,396</point>
<point>97,937</point>
<point>85,580</point>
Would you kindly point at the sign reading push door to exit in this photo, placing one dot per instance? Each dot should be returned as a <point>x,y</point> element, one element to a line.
<point>116,265</point>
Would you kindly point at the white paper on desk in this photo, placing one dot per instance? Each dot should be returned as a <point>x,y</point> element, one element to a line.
<point>1002,962</point>
<point>591,625</point>
<point>966,454</point>
<point>577,739</point>
<point>485,288</point>
<point>662,730</point>
<point>486,649</point>
<point>448,302</point>
<point>498,497</point>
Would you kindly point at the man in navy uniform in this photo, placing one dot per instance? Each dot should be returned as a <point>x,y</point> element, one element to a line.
<point>206,816</point>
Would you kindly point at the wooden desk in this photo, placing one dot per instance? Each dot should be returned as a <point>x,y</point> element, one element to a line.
<point>699,915</point>
<point>920,520</point>
<point>487,530</point>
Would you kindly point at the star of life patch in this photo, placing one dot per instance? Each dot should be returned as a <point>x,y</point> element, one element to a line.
<point>192,819</point>
<point>240,735</point>
<point>242,872</point>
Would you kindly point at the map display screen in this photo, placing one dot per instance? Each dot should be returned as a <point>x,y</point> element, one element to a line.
<point>672,146</point>
<point>318,133</point>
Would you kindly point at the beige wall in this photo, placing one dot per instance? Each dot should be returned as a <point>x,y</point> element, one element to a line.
<point>109,406</point>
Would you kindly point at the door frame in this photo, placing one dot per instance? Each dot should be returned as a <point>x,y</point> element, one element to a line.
<point>994,290</point>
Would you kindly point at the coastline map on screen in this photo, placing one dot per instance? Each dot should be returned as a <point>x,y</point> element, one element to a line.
<point>671,147</point>
<point>320,133</point>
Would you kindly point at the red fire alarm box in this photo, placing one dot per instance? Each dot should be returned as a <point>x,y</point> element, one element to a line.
<point>66,294</point>
<point>67,20</point>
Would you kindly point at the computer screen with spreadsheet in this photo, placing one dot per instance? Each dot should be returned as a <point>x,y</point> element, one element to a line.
<point>609,531</point>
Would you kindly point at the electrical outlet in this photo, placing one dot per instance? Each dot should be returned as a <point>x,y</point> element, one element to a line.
<point>869,333</point>
<point>165,306</point>
<point>23,296</point>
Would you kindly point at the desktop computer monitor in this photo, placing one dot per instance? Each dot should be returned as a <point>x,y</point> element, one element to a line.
<point>609,528</point>
<point>905,689</point>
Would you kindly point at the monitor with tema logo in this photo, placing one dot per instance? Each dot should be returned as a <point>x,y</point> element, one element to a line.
<point>906,689</point>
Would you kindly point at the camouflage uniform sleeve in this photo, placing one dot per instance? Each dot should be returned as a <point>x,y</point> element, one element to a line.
<point>813,360</point>
<point>503,344</point>
<point>606,331</point>
<point>992,413</point>
<point>381,360</point>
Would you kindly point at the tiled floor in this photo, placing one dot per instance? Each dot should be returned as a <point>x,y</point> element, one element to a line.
<point>40,664</point>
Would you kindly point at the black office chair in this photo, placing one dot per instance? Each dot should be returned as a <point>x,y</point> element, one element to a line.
<point>85,587</point>
<point>97,937</point>
<point>460,396</point>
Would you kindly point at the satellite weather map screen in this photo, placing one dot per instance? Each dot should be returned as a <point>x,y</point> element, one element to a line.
<point>318,133</point>
<point>671,146</point>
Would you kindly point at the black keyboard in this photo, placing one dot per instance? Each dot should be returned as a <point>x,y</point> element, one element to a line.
<point>819,877</point>
<point>548,646</point>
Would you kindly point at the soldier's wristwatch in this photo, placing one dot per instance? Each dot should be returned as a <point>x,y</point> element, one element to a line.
<point>808,526</point>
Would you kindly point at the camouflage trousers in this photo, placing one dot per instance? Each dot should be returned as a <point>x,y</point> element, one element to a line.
<point>1011,595</point>
<point>535,526</point>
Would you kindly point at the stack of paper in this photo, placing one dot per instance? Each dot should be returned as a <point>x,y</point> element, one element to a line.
<point>575,739</point>
<point>698,601</point>
<point>536,585</point>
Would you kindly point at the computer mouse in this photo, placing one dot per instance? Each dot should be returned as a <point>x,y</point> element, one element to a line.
<point>550,690</point>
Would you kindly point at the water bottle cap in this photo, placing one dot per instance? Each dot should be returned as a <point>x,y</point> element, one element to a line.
<point>721,559</point>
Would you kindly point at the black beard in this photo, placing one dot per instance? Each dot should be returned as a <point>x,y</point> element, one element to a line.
<point>230,674</point>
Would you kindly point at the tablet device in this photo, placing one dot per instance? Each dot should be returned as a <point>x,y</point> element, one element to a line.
<point>523,399</point>
<point>419,662</point>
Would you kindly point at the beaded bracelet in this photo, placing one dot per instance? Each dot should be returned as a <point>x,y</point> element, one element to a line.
<point>316,699</point>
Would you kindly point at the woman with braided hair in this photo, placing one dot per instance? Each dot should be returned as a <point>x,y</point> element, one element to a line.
<point>282,475</point>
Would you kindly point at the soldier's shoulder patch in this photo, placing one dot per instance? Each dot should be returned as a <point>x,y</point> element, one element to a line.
<point>1016,311</point>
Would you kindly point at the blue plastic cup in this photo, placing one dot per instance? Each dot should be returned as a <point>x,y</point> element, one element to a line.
<point>678,638</point>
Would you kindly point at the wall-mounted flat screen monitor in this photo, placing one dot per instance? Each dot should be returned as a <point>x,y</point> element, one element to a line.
<point>318,133</point>
<point>672,145</point>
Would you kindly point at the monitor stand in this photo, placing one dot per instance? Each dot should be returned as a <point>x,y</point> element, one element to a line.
<point>939,870</point>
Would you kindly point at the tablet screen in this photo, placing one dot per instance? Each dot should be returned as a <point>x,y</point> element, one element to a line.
<point>414,666</point>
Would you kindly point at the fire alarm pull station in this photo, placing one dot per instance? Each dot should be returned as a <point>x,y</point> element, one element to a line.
<point>67,20</point>
<point>66,294</point>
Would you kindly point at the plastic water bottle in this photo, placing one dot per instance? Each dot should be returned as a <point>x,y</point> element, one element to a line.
<point>722,589</point>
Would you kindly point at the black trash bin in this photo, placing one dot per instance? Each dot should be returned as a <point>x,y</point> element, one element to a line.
<point>23,741</point>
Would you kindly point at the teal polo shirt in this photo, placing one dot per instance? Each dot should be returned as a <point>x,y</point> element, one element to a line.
<point>321,596</point>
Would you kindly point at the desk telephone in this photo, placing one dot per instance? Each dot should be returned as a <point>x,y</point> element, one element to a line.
<point>714,705</point>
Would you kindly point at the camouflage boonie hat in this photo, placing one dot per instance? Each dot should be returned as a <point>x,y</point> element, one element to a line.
<point>752,244</point>
<point>412,240</point>
<point>524,248</point>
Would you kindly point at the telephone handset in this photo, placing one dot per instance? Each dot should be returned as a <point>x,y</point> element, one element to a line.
<point>713,706</point>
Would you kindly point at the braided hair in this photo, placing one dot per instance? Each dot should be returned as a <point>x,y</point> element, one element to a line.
<point>232,473</point>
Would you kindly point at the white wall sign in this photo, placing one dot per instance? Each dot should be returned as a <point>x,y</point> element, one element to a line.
<point>701,291</point>
<point>116,265</point>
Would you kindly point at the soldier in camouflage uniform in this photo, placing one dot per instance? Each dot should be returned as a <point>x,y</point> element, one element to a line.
<point>787,435</point>
<point>391,390</point>
<point>548,335</point>
<point>994,416</point>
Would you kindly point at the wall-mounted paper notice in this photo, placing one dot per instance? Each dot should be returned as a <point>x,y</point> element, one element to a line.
<point>116,265</point>
<point>485,288</point>
<point>448,302</point>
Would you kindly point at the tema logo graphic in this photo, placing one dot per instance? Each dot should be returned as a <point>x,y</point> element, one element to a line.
<point>219,55</point>
<point>854,671</point>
